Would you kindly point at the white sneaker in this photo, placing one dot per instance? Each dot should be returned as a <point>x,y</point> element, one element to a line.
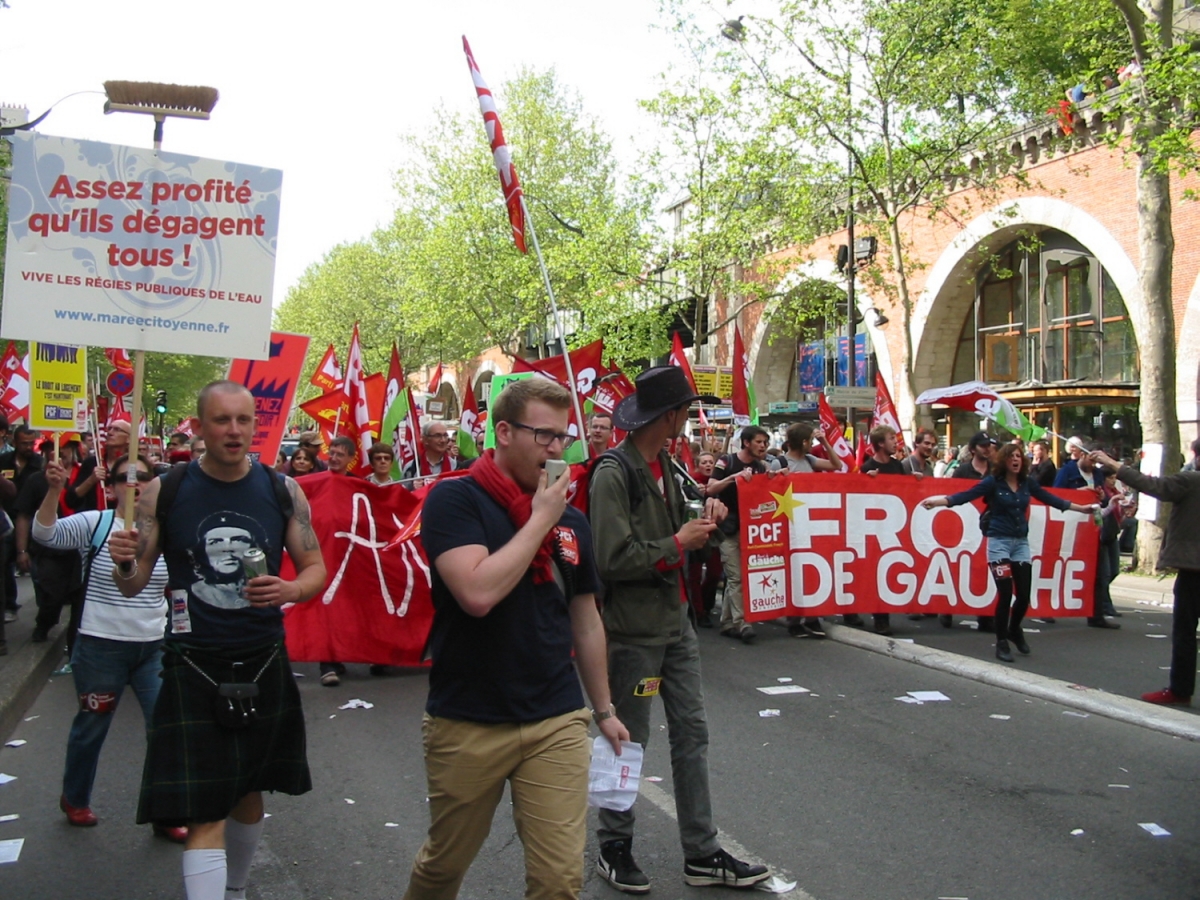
<point>330,679</point>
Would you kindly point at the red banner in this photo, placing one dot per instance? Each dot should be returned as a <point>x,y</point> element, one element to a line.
<point>377,606</point>
<point>273,383</point>
<point>815,545</point>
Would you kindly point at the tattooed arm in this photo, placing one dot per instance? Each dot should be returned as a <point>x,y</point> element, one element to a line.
<point>135,552</point>
<point>302,547</point>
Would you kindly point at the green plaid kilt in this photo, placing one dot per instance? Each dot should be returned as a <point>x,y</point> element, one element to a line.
<point>197,771</point>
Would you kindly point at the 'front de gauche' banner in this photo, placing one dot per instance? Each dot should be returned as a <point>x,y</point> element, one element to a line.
<point>116,246</point>
<point>817,545</point>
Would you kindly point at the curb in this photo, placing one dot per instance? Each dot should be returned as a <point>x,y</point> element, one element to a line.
<point>23,677</point>
<point>1091,700</point>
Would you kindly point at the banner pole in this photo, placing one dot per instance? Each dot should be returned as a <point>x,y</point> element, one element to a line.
<point>561,335</point>
<point>131,470</point>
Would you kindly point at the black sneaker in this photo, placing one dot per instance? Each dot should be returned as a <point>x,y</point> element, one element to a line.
<point>814,629</point>
<point>616,866</point>
<point>722,869</point>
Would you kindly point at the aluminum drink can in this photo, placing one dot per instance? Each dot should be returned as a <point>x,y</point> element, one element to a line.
<point>254,563</point>
<point>695,509</point>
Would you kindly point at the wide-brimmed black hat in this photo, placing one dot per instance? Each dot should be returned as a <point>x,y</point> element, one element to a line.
<point>658,391</point>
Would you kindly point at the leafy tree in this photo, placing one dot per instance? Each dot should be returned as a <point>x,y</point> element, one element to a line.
<point>444,274</point>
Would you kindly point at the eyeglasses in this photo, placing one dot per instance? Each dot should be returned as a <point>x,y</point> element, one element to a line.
<point>439,435</point>
<point>143,477</point>
<point>545,437</point>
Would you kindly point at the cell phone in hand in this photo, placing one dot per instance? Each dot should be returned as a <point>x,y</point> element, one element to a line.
<point>555,469</point>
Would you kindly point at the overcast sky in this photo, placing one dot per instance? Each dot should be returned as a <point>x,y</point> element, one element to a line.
<point>321,91</point>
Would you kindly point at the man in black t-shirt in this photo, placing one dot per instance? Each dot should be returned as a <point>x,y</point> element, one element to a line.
<point>747,462</point>
<point>513,594</point>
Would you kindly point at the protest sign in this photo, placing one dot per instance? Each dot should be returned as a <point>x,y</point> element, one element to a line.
<point>815,545</point>
<point>377,606</point>
<point>57,386</point>
<point>123,247</point>
<point>273,383</point>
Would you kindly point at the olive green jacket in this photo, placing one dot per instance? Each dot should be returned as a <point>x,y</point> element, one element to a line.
<point>642,603</point>
<point>1181,544</point>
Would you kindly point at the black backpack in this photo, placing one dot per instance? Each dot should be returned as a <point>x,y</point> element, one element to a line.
<point>173,478</point>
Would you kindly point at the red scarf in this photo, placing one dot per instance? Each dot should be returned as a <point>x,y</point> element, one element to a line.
<point>519,505</point>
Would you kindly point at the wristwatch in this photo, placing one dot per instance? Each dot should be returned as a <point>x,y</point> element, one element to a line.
<point>599,715</point>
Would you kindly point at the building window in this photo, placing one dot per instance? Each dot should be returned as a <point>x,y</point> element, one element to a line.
<point>1051,315</point>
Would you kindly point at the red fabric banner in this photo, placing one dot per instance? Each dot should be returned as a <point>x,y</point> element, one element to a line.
<point>273,383</point>
<point>742,413</point>
<point>815,545</point>
<point>377,606</point>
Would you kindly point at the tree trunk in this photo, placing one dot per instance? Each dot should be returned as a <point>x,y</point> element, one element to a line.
<point>1158,412</point>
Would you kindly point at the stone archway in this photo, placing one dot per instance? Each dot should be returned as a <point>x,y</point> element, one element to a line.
<point>950,289</point>
<point>773,364</point>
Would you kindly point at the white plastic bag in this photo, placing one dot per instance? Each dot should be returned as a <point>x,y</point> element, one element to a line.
<point>613,780</point>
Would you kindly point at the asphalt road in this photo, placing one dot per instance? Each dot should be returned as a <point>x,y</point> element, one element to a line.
<point>848,791</point>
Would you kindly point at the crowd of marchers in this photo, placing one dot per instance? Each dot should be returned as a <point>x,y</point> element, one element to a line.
<point>559,602</point>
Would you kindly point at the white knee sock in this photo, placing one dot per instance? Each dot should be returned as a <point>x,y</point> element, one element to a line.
<point>241,842</point>
<point>204,874</point>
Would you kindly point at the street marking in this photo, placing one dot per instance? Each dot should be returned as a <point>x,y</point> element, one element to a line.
<point>666,803</point>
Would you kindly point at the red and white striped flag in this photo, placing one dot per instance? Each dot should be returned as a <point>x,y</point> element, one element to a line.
<point>834,434</point>
<point>356,393</point>
<point>509,183</point>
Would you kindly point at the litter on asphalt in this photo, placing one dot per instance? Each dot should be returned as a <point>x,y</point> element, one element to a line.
<point>5,779</point>
<point>783,689</point>
<point>1160,636</point>
<point>10,851</point>
<point>775,885</point>
<point>1000,717</point>
<point>348,800</point>
<point>357,704</point>
<point>1078,715</point>
<point>1118,786</point>
<point>391,824</point>
<point>1154,829</point>
<point>768,713</point>
<point>16,743</point>
<point>927,696</point>
<point>784,680</point>
<point>1077,831</point>
<point>11,817</point>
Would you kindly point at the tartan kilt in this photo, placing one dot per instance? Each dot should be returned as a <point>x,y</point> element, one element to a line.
<point>196,770</point>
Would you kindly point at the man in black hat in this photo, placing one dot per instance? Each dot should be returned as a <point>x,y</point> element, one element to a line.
<point>982,448</point>
<point>641,532</point>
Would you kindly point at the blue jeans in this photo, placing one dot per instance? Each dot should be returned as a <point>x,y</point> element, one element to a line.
<point>103,667</point>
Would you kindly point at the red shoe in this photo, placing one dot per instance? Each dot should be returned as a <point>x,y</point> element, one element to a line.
<point>1166,698</point>
<point>177,834</point>
<point>82,816</point>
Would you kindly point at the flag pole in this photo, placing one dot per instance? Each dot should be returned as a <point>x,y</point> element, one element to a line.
<point>561,335</point>
<point>135,414</point>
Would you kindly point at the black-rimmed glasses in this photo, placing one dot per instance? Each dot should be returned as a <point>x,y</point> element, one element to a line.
<point>544,436</point>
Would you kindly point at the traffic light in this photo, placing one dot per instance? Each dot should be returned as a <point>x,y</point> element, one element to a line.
<point>160,403</point>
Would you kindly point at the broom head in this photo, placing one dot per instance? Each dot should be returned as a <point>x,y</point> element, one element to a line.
<point>160,99</point>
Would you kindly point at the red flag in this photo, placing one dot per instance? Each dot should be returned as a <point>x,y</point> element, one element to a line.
<point>328,374</point>
<point>117,412</point>
<point>509,183</point>
<point>834,434</point>
<point>14,384</point>
<point>360,409</point>
<point>585,361</point>
<point>742,412</point>
<point>885,411</point>
<point>679,359</point>
<point>326,410</point>
<point>273,382</point>
<point>436,381</point>
<point>414,435</point>
<point>377,606</point>
<point>862,452</point>
<point>119,358</point>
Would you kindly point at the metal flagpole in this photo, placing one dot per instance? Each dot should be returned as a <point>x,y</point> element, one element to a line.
<point>562,338</point>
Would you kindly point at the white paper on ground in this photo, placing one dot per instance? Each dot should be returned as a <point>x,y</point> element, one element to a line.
<point>784,680</point>
<point>11,817</point>
<point>1078,715</point>
<point>775,885</point>
<point>613,780</point>
<point>1162,636</point>
<point>1156,830</point>
<point>783,689</point>
<point>348,800</point>
<point>16,743</point>
<point>357,704</point>
<point>1077,831</point>
<point>5,779</point>
<point>908,700</point>
<point>927,696</point>
<point>1118,785</point>
<point>768,713</point>
<point>10,851</point>
<point>998,716</point>
<point>391,824</point>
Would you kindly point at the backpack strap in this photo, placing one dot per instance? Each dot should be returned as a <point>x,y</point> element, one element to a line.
<point>282,496</point>
<point>633,484</point>
<point>100,533</point>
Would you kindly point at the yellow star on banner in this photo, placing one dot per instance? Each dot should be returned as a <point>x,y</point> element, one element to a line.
<point>787,504</point>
